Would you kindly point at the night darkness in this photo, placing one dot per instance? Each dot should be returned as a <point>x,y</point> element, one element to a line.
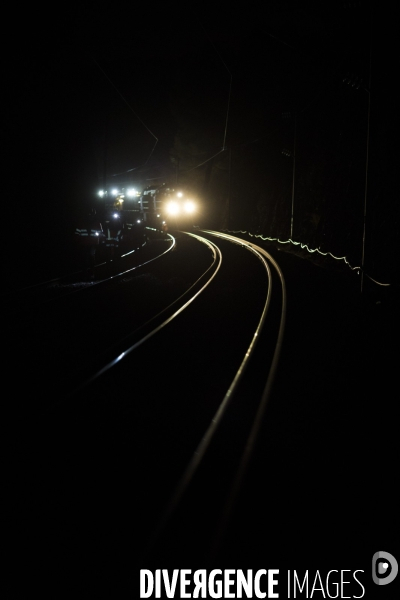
<point>94,90</point>
<point>253,110</point>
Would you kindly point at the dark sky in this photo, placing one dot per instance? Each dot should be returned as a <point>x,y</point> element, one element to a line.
<point>96,86</point>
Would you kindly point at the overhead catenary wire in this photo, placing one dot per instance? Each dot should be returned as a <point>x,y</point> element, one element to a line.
<point>130,107</point>
<point>230,80</point>
<point>204,161</point>
<point>248,142</point>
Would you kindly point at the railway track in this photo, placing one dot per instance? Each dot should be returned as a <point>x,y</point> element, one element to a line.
<point>31,296</point>
<point>58,341</point>
<point>170,415</point>
<point>164,455</point>
<point>221,459</point>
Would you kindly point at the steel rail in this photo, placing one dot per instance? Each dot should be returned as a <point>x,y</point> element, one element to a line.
<point>55,279</point>
<point>42,283</point>
<point>232,497</point>
<point>204,444</point>
<point>92,283</point>
<point>217,256</point>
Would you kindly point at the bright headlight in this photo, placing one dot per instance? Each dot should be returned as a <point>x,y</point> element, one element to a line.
<point>189,206</point>
<point>173,208</point>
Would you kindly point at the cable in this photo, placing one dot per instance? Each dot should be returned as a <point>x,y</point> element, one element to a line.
<point>304,246</point>
<point>203,163</point>
<point>227,110</point>
<point>129,106</point>
<point>377,282</point>
<point>230,76</point>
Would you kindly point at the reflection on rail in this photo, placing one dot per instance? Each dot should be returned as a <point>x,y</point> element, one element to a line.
<point>177,307</point>
<point>26,297</point>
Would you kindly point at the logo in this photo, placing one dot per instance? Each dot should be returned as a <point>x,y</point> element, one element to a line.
<point>384,568</point>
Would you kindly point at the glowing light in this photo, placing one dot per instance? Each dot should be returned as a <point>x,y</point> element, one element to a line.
<point>173,208</point>
<point>101,193</point>
<point>131,192</point>
<point>179,194</point>
<point>138,221</point>
<point>189,206</point>
<point>115,192</point>
<point>115,215</point>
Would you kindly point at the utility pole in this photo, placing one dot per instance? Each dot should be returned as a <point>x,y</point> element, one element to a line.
<point>357,83</point>
<point>365,196</point>
<point>229,187</point>
<point>366,160</point>
<point>105,157</point>
<point>294,173</point>
<point>291,153</point>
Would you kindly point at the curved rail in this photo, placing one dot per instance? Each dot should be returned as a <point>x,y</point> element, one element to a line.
<point>12,296</point>
<point>252,437</point>
<point>48,282</point>
<point>279,342</point>
<point>205,442</point>
<point>215,266</point>
<point>216,420</point>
